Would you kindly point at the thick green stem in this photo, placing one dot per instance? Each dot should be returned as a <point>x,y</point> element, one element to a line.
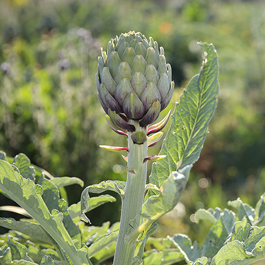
<point>133,200</point>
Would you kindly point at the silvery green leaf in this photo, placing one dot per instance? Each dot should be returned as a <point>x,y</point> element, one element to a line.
<point>165,257</point>
<point>203,214</point>
<point>244,210</point>
<point>98,248</point>
<point>228,241</point>
<point>260,211</point>
<point>18,250</point>
<point>66,181</point>
<point>31,229</point>
<point>24,193</point>
<point>94,202</point>
<point>23,164</point>
<point>52,199</point>
<point>2,155</point>
<point>116,186</point>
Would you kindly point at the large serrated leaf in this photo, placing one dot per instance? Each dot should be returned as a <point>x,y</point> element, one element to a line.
<point>214,241</point>
<point>24,193</point>
<point>189,122</point>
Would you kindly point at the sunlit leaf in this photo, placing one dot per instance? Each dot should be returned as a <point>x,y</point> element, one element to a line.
<point>47,260</point>
<point>203,214</point>
<point>189,122</point>
<point>5,254</point>
<point>31,229</point>
<point>228,241</point>
<point>116,186</point>
<point>103,242</point>
<point>94,202</point>
<point>23,192</point>
<point>52,199</point>
<point>165,257</point>
<point>260,211</point>
<point>18,250</point>
<point>67,181</point>
<point>244,210</point>
<point>23,164</point>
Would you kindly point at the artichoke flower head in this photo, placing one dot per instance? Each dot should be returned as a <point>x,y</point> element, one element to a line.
<point>134,81</point>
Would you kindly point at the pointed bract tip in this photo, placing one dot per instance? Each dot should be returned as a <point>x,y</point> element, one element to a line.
<point>120,122</point>
<point>159,126</point>
<point>154,139</point>
<point>113,148</point>
<point>154,158</point>
<point>113,127</point>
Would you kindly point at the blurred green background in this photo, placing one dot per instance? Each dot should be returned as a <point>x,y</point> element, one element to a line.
<point>49,108</point>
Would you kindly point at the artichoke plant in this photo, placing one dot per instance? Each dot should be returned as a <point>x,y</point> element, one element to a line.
<point>134,85</point>
<point>134,81</point>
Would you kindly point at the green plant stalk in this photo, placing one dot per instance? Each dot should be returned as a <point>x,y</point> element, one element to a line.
<point>133,199</point>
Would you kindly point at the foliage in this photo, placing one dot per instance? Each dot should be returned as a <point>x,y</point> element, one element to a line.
<point>235,238</point>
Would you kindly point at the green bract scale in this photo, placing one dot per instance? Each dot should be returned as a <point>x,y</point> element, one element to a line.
<point>134,81</point>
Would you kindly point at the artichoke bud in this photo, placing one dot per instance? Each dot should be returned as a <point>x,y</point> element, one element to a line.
<point>134,81</point>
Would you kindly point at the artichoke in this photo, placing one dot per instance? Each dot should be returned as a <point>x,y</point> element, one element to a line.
<point>134,81</point>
